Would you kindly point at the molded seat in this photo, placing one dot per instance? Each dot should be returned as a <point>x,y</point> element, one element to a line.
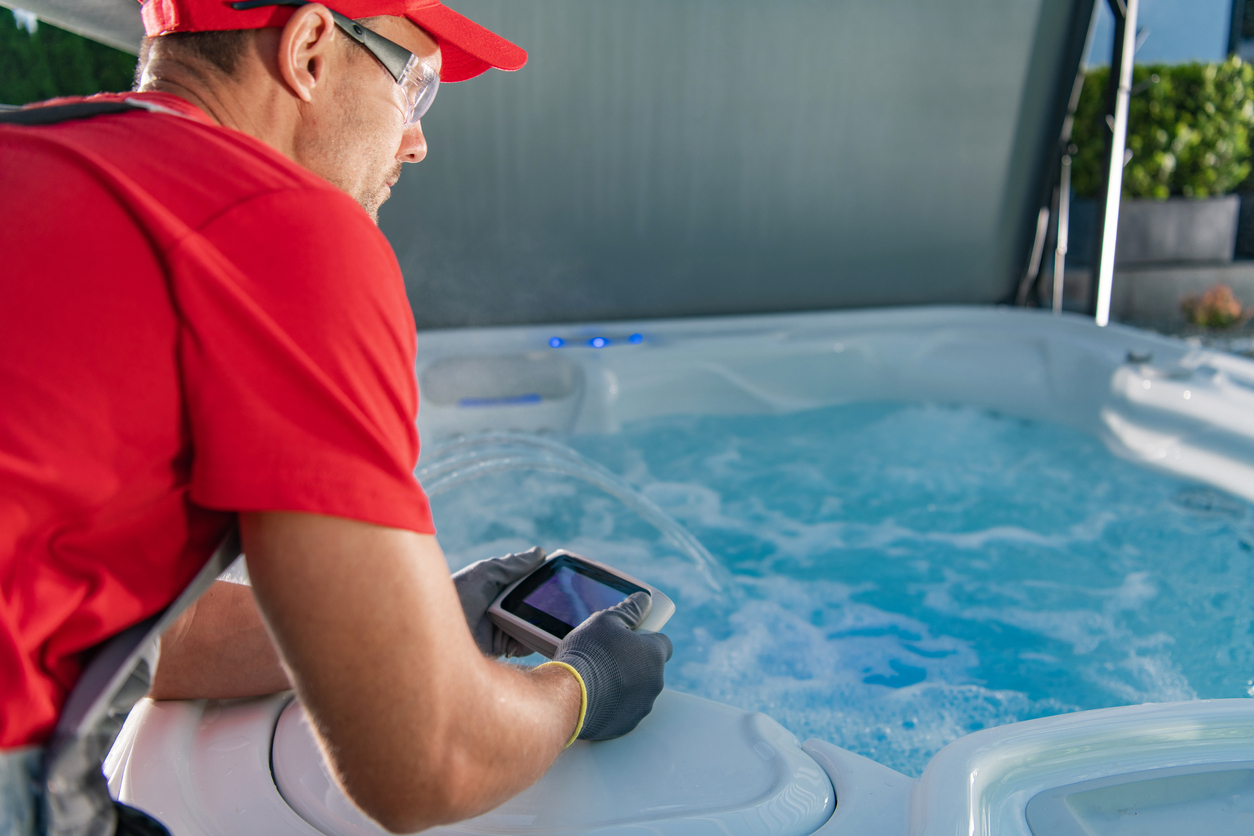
<point>692,766</point>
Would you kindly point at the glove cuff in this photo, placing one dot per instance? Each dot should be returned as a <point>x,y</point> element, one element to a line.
<point>583,698</point>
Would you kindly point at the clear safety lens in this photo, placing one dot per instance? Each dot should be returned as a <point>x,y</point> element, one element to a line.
<point>420,83</point>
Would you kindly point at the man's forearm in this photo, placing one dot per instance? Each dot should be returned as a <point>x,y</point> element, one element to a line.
<point>505,740</point>
<point>420,727</point>
<point>219,648</point>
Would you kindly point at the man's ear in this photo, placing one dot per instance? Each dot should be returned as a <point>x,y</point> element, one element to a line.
<point>304,45</point>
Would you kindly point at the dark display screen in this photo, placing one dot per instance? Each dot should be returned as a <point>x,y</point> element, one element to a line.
<point>561,595</point>
<point>571,597</point>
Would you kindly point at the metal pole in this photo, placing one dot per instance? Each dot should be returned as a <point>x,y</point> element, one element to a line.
<point>1234,28</point>
<point>1114,182</point>
<point>1034,262</point>
<point>1064,217</point>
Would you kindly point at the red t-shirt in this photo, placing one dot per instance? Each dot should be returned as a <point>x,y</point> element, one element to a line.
<point>190,325</point>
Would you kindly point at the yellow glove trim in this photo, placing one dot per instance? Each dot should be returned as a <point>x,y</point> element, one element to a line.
<point>583,698</point>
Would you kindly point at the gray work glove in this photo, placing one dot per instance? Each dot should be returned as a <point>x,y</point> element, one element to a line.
<point>477,587</point>
<point>621,670</point>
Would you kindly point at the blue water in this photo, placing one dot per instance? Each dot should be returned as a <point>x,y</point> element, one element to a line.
<point>901,575</point>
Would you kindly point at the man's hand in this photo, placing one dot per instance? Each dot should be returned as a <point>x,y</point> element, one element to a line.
<point>621,670</point>
<point>478,585</point>
<point>419,726</point>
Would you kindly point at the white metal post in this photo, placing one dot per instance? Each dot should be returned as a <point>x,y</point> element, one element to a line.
<point>1118,147</point>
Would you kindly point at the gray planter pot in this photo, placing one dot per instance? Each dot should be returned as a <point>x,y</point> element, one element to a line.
<point>1177,230</point>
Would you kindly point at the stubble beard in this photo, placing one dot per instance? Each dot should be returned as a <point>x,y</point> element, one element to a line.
<point>356,152</point>
<point>379,193</point>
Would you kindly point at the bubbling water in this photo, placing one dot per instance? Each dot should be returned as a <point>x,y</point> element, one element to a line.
<point>898,575</point>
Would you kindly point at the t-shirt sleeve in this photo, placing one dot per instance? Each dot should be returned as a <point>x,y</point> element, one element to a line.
<point>297,354</point>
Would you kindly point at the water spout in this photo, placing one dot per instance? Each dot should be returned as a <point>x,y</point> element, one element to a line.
<point>472,457</point>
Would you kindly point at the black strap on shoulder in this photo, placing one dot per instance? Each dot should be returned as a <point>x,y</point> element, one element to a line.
<point>53,114</point>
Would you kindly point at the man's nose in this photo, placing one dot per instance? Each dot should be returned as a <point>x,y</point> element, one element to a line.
<point>413,144</point>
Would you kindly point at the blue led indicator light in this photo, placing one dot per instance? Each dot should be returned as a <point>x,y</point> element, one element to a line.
<point>636,339</point>
<point>512,400</point>
<point>556,342</point>
<point>598,342</point>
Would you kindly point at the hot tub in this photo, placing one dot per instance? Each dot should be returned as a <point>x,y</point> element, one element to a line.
<point>532,404</point>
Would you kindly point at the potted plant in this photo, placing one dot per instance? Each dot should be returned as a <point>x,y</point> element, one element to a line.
<point>1189,142</point>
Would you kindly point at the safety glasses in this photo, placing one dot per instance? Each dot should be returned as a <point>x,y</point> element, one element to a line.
<point>417,79</point>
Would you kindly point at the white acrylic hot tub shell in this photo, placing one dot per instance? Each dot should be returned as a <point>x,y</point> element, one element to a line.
<point>205,768</point>
<point>1152,399</point>
<point>981,784</point>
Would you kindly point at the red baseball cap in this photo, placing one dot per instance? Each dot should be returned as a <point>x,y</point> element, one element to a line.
<point>467,49</point>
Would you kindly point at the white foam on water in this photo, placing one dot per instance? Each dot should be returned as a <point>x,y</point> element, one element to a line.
<point>828,667</point>
<point>698,504</point>
<point>904,574</point>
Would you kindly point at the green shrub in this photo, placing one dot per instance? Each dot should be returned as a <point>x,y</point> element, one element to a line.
<point>1189,133</point>
<point>53,62</point>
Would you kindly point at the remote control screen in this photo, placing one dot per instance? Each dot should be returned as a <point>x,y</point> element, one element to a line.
<point>571,597</point>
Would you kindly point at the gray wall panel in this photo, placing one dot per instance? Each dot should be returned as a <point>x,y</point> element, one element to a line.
<point>687,157</point>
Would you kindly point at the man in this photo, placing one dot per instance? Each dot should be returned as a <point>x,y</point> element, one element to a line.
<point>199,323</point>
